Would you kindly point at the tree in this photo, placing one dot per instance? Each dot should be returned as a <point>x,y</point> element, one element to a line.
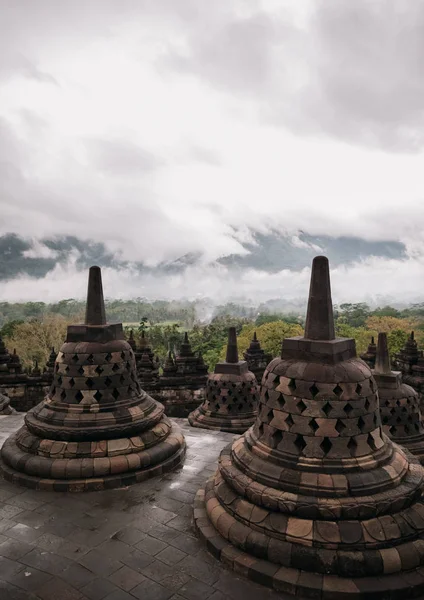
<point>354,315</point>
<point>34,339</point>
<point>143,324</point>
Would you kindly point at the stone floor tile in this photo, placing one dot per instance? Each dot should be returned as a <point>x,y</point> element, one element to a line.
<point>30,579</point>
<point>77,575</point>
<point>126,578</point>
<point>171,556</point>
<point>195,589</point>
<point>187,543</point>
<point>151,545</point>
<point>98,589</point>
<point>9,568</point>
<point>45,561</point>
<point>137,560</point>
<point>197,568</point>
<point>119,595</point>
<point>130,535</point>
<point>150,590</point>
<point>57,588</point>
<point>15,549</point>
<point>24,533</point>
<point>11,592</point>
<point>50,542</point>
<point>73,551</point>
<point>100,564</point>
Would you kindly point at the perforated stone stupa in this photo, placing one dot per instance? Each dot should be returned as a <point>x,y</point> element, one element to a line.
<point>257,359</point>
<point>370,354</point>
<point>232,394</point>
<point>314,499</point>
<point>96,427</point>
<point>399,403</point>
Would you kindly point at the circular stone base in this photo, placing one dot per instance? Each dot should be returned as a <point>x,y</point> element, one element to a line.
<point>90,484</point>
<point>304,584</point>
<point>229,425</point>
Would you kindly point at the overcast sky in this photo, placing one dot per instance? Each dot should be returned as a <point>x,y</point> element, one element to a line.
<point>161,127</point>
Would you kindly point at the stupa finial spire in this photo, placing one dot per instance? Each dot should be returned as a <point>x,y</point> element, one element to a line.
<point>319,317</point>
<point>382,361</point>
<point>232,351</point>
<point>95,312</point>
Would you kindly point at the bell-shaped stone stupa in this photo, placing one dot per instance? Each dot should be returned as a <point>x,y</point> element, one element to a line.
<point>314,499</point>
<point>96,427</point>
<point>370,354</point>
<point>399,404</point>
<point>257,359</point>
<point>232,394</point>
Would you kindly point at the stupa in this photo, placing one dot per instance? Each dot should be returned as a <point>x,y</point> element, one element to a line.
<point>408,356</point>
<point>399,403</point>
<point>5,408</point>
<point>14,365</point>
<point>190,365</point>
<point>315,500</point>
<point>96,427</point>
<point>232,394</point>
<point>51,361</point>
<point>370,354</point>
<point>4,356</point>
<point>257,359</point>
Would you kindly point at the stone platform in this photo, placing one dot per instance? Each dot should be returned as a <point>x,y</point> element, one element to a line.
<point>125,544</point>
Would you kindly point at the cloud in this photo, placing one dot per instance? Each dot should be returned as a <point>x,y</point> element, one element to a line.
<point>177,128</point>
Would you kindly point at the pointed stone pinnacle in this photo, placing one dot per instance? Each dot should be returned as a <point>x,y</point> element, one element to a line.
<point>232,351</point>
<point>95,312</point>
<point>186,338</point>
<point>319,317</point>
<point>382,361</point>
<point>412,335</point>
<point>255,339</point>
<point>372,341</point>
<point>142,334</point>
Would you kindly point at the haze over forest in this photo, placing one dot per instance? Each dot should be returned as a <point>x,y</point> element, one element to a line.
<point>210,150</point>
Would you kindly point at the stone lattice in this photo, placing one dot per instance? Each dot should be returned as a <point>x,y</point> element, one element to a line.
<point>315,500</point>
<point>232,394</point>
<point>399,404</point>
<point>96,428</point>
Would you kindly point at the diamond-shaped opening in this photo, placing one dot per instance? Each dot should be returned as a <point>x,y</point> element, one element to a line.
<point>348,409</point>
<point>301,406</point>
<point>371,442</point>
<point>398,420</point>
<point>90,359</point>
<point>53,391</point>
<point>67,369</point>
<point>276,438</point>
<point>243,385</point>
<point>130,389</point>
<point>406,427</point>
<point>89,383</point>
<point>81,370</point>
<point>98,396</point>
<point>230,392</point>
<point>240,406</point>
<point>410,418</point>
<point>99,369</point>
<point>115,394</point>
<point>314,390</point>
<point>122,379</point>
<point>281,401</point>
<point>289,420</point>
<point>75,358</point>
<point>313,425</point>
<point>56,367</point>
<point>230,407</point>
<point>387,403</point>
<point>417,427</point>
<point>397,402</point>
<point>292,384</point>
<point>123,355</point>
<point>115,367</point>
<point>326,409</point>
<point>392,430</point>
<point>59,380</point>
<point>358,389</point>
<point>72,382</point>
<point>352,446</point>
<point>338,390</point>
<point>108,381</point>
<point>300,443</point>
<point>361,423</point>
<point>340,426</point>
<point>326,445</point>
<point>216,406</point>
<point>79,396</point>
<point>108,357</point>
<point>63,395</point>
<point>128,365</point>
<point>385,420</point>
<point>367,404</point>
<point>404,409</point>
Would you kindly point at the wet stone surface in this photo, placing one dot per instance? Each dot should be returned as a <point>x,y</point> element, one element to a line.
<point>137,542</point>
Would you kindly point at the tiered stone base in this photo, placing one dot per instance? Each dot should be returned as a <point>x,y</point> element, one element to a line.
<point>88,466</point>
<point>390,586</point>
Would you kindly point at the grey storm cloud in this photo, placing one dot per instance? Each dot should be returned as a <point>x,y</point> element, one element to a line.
<point>121,157</point>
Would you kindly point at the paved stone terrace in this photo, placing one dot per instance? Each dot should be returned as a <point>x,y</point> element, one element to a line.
<point>138,542</point>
